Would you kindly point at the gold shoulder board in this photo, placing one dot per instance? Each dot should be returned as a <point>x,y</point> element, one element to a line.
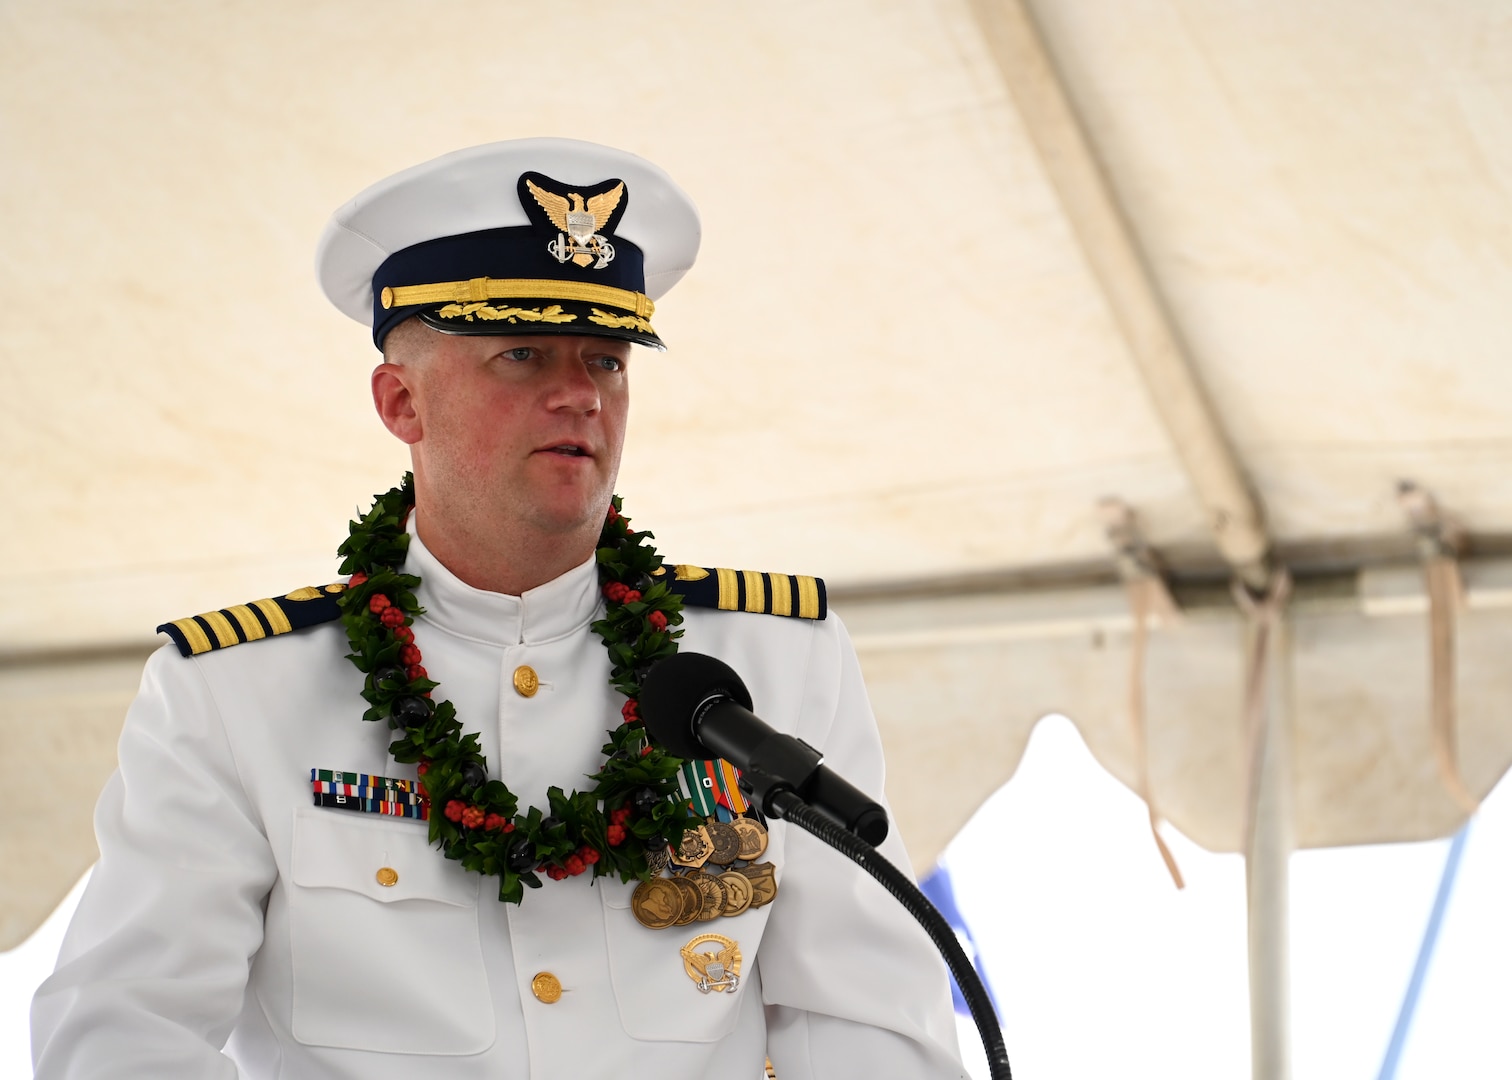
<point>258,619</point>
<point>747,590</point>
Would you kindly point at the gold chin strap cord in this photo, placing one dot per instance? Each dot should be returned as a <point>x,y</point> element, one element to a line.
<point>477,289</point>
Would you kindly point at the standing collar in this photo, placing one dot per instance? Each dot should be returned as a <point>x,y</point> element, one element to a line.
<point>560,607</point>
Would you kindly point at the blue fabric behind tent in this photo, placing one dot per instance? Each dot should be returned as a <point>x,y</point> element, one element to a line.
<point>938,888</point>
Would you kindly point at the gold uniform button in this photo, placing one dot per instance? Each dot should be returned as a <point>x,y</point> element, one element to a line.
<point>387,876</point>
<point>547,988</point>
<point>526,682</point>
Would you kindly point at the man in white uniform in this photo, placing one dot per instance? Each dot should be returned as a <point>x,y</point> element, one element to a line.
<point>448,904</point>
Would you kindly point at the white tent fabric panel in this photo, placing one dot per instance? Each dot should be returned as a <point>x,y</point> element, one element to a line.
<point>1322,192</point>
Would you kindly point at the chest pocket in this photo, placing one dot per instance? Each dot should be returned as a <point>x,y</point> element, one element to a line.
<point>384,940</point>
<point>657,998</point>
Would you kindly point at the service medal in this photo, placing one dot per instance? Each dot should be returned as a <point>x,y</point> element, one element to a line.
<point>692,899</point>
<point>763,883</point>
<point>725,843</point>
<point>695,848</point>
<point>738,892</point>
<point>753,838</point>
<point>657,903</point>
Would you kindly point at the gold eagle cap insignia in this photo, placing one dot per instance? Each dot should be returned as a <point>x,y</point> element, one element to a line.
<point>714,971</point>
<point>580,221</point>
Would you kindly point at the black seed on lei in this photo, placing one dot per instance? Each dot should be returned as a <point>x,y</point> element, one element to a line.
<point>473,774</point>
<point>645,799</point>
<point>521,855</point>
<point>411,712</point>
<point>388,673</point>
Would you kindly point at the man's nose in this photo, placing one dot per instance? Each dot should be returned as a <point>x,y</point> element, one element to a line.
<point>573,387</point>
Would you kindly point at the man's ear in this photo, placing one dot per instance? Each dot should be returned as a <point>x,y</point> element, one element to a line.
<point>395,402</point>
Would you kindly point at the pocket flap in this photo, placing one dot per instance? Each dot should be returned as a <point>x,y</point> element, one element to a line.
<point>383,859</point>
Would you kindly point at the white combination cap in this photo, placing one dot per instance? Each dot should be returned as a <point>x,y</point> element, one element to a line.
<point>528,236</point>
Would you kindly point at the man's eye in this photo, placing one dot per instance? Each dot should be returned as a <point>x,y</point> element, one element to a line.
<point>522,353</point>
<point>611,363</point>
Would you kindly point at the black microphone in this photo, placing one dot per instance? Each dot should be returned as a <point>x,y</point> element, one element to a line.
<point>695,706</point>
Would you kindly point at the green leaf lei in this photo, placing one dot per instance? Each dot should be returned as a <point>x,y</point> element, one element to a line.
<point>635,804</point>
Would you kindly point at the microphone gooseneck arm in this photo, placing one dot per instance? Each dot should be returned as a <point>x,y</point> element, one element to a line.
<point>789,806</point>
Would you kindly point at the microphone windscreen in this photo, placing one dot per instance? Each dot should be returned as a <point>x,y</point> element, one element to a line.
<point>673,690</point>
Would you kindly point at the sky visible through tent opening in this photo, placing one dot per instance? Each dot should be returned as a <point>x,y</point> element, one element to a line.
<point>1103,969</point>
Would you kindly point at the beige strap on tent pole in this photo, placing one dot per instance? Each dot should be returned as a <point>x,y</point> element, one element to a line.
<point>1438,545</point>
<point>1148,597</point>
<point>1264,614</point>
<point>1143,596</point>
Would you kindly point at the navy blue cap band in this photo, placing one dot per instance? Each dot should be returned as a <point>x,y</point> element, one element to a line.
<point>516,252</point>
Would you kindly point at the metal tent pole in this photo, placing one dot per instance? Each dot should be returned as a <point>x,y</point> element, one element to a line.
<point>1268,850</point>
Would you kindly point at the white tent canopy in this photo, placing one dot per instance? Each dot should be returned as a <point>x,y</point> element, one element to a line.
<point>969,267</point>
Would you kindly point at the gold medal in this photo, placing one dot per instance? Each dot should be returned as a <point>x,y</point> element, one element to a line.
<point>657,903</point>
<point>725,843</point>
<point>763,883</point>
<point>738,892</point>
<point>695,848</point>
<point>753,838</point>
<point>714,895</point>
<point>692,899</point>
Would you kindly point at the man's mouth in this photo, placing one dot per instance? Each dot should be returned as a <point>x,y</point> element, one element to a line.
<point>567,450</point>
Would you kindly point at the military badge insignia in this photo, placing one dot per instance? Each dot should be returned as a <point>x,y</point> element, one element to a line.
<point>713,970</point>
<point>695,848</point>
<point>581,220</point>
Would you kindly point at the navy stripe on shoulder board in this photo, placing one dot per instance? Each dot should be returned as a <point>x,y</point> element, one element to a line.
<point>747,590</point>
<point>258,619</point>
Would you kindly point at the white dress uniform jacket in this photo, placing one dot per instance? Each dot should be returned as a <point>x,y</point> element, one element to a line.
<point>227,911</point>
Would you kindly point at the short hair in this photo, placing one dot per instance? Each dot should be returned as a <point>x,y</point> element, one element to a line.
<point>409,340</point>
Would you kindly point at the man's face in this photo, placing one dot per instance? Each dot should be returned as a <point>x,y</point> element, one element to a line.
<point>520,429</point>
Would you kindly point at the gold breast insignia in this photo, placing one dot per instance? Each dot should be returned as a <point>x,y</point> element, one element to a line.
<point>715,969</point>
